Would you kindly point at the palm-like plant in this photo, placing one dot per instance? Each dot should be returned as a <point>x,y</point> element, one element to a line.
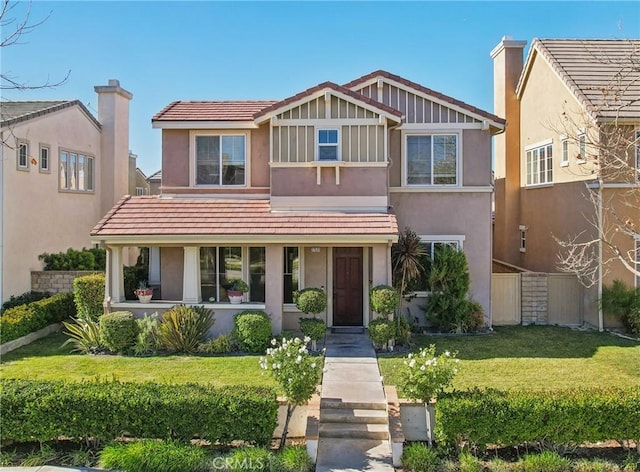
<point>406,257</point>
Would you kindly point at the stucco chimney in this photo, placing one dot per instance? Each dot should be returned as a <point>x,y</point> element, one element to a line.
<point>507,66</point>
<point>113,114</point>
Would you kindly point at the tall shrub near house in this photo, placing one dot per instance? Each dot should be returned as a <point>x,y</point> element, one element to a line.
<point>312,301</point>
<point>89,295</point>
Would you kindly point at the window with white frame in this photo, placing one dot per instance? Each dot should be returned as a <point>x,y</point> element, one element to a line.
<point>539,164</point>
<point>431,245</point>
<point>328,145</point>
<point>221,264</point>
<point>431,159</point>
<point>291,272</point>
<point>582,149</point>
<point>44,158</point>
<point>76,172</point>
<point>523,238</point>
<point>220,159</point>
<point>22,155</point>
<point>565,151</point>
<point>141,191</point>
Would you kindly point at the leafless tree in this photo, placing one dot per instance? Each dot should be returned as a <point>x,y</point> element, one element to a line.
<point>607,141</point>
<point>15,25</point>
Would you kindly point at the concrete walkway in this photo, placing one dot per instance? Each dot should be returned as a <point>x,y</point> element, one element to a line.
<point>354,428</point>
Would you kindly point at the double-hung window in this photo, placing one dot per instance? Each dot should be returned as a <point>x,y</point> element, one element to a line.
<point>76,172</point>
<point>328,145</point>
<point>220,159</point>
<point>540,164</point>
<point>565,152</point>
<point>22,155</point>
<point>44,158</point>
<point>432,159</point>
<point>582,146</point>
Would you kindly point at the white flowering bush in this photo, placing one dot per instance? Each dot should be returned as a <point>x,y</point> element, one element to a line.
<point>424,375</point>
<point>296,371</point>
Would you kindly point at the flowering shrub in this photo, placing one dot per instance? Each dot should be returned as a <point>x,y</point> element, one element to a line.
<point>424,375</point>
<point>296,371</point>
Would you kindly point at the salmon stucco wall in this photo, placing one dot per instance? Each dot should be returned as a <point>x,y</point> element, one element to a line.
<point>171,272</point>
<point>354,181</point>
<point>175,158</point>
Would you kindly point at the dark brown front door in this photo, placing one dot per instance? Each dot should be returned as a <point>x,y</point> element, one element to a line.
<point>347,286</point>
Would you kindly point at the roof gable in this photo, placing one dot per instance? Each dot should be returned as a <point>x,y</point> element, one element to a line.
<point>361,83</point>
<point>602,74</point>
<point>335,90</point>
<point>14,112</point>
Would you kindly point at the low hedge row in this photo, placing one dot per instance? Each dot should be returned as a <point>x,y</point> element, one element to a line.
<point>103,411</point>
<point>24,319</point>
<point>510,418</point>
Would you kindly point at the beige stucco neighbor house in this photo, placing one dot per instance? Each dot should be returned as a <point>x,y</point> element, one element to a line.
<point>561,104</point>
<point>61,170</point>
<point>309,191</point>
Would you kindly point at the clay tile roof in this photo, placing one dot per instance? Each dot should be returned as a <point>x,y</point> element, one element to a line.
<point>427,91</point>
<point>237,110</point>
<point>155,216</point>
<point>328,85</point>
<point>603,74</point>
<point>13,112</point>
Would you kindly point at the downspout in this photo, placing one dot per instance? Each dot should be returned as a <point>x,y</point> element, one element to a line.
<point>600,229</point>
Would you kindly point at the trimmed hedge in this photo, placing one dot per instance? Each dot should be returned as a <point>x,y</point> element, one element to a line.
<point>104,411</point>
<point>23,299</point>
<point>24,319</point>
<point>118,330</point>
<point>89,296</point>
<point>252,330</point>
<point>510,418</point>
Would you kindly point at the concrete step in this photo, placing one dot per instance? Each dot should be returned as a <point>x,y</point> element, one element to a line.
<point>350,415</point>
<point>338,404</point>
<point>354,455</point>
<point>354,430</point>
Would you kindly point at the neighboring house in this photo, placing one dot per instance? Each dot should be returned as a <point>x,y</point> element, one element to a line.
<point>155,181</point>
<point>561,105</point>
<point>139,184</point>
<point>310,191</point>
<point>61,169</point>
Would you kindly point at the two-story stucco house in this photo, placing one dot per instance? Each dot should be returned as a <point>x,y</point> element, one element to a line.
<point>309,191</point>
<point>565,106</point>
<point>61,169</point>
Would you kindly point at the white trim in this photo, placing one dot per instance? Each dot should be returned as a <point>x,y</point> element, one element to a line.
<point>329,265</point>
<point>327,164</point>
<point>167,304</point>
<point>337,145</point>
<point>366,204</point>
<point>193,164</point>
<point>443,238</point>
<point>546,142</point>
<point>445,189</point>
<point>439,126</point>
<point>45,170</point>
<point>19,144</point>
<point>240,239</point>
<point>430,98</point>
<point>208,125</point>
<point>234,196</point>
<point>620,185</point>
<point>329,122</point>
<point>443,132</point>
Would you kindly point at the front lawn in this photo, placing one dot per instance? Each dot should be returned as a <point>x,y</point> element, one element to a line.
<point>45,360</point>
<point>533,357</point>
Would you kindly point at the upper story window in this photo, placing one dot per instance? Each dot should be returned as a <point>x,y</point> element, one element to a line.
<point>432,159</point>
<point>140,191</point>
<point>220,159</point>
<point>76,172</point>
<point>22,155</point>
<point>565,152</point>
<point>328,145</point>
<point>540,164</point>
<point>44,158</point>
<point>582,146</point>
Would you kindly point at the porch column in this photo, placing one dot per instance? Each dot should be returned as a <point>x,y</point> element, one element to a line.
<point>114,276</point>
<point>380,266</point>
<point>154,265</point>
<point>274,285</point>
<point>191,276</point>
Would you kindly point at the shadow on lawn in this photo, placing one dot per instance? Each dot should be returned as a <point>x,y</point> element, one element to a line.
<point>525,341</point>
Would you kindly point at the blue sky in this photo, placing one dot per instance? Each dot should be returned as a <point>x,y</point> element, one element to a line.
<point>165,51</point>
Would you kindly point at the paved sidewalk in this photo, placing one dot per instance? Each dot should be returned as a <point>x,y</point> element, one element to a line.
<point>354,429</point>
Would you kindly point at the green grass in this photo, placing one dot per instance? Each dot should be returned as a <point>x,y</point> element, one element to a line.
<point>46,360</point>
<point>533,357</point>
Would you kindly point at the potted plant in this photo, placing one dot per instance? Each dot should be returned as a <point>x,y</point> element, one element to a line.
<point>235,289</point>
<point>144,292</point>
<point>312,301</point>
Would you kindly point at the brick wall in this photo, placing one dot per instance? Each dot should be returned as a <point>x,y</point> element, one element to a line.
<point>534,300</point>
<point>56,281</point>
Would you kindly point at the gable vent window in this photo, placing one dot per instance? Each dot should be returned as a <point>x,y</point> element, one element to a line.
<point>328,147</point>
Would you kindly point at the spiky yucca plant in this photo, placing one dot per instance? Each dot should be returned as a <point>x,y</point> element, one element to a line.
<point>183,328</point>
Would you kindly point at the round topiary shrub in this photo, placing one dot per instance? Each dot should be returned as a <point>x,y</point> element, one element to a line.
<point>314,328</point>
<point>381,331</point>
<point>118,330</point>
<point>383,299</point>
<point>310,300</point>
<point>252,330</point>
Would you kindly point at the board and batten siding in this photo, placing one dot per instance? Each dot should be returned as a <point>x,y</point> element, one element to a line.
<point>294,132</point>
<point>415,108</point>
